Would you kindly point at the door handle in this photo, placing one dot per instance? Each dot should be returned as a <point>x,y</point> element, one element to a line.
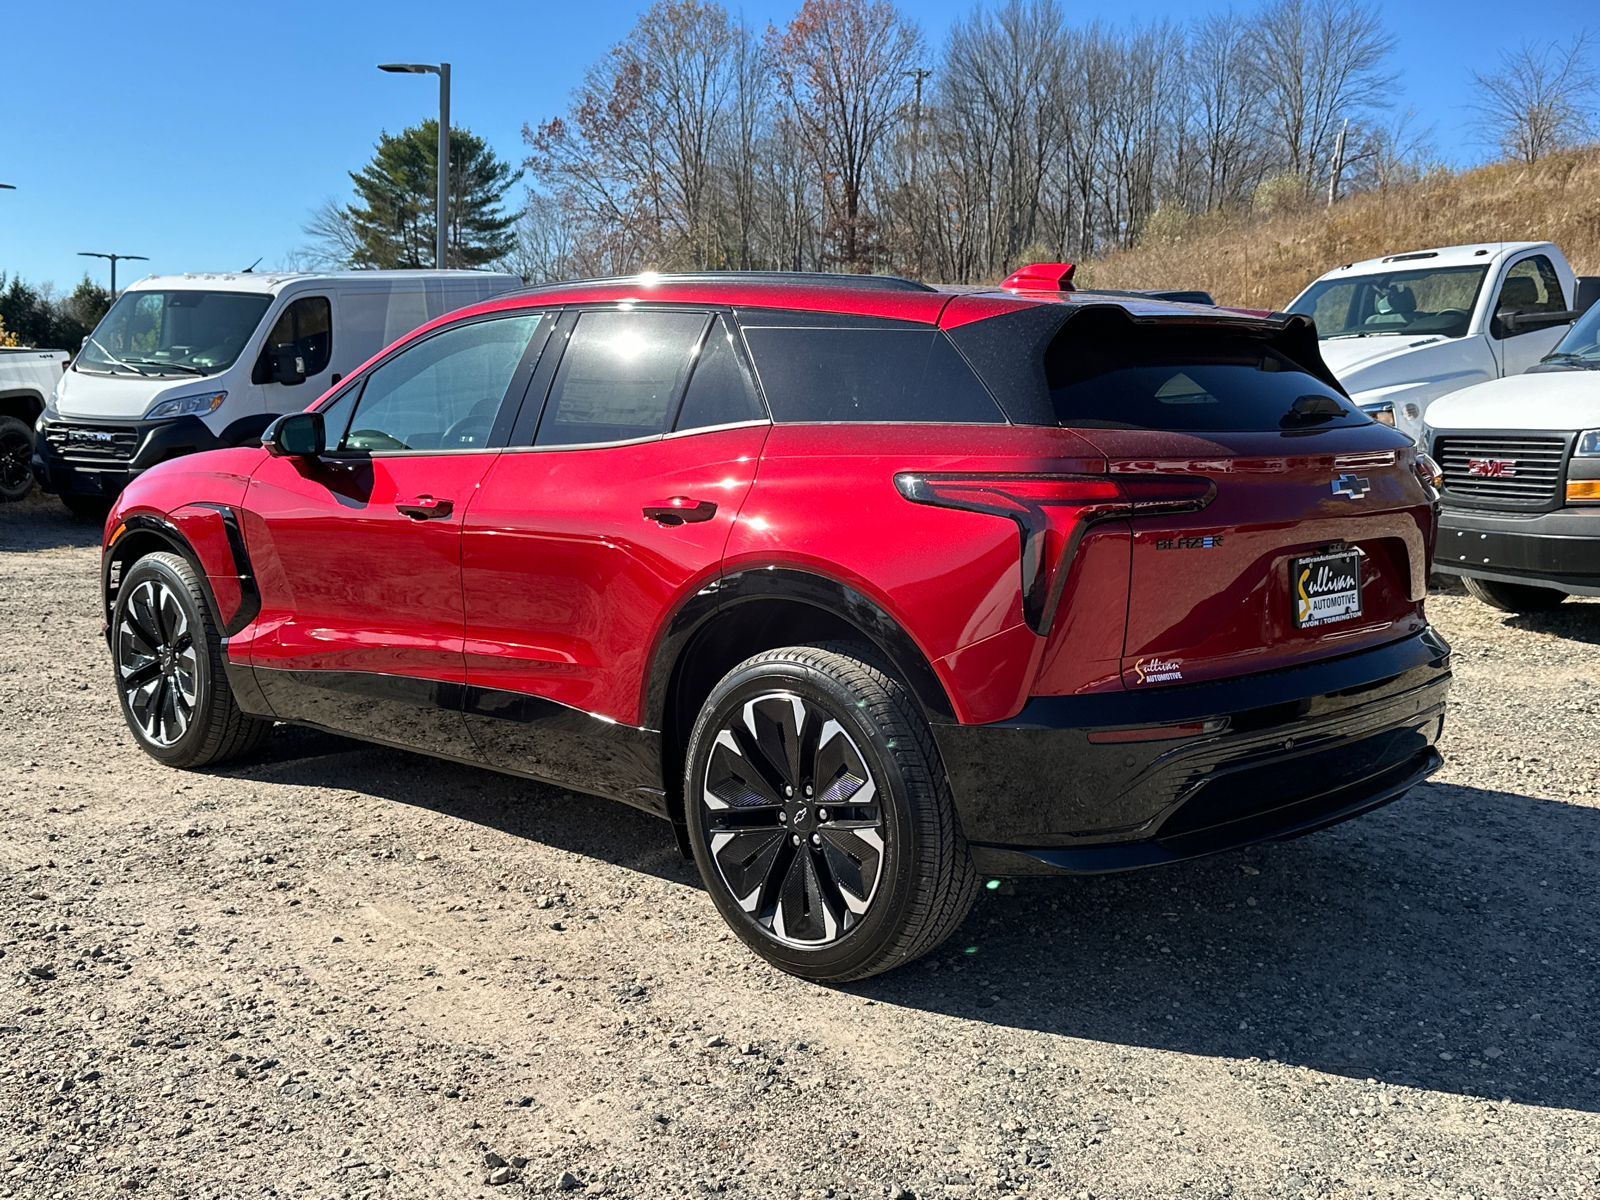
<point>680,510</point>
<point>425,508</point>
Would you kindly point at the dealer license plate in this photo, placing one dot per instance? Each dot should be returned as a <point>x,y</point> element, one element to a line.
<point>1326,587</point>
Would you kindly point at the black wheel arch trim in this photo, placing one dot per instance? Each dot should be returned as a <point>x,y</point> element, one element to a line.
<point>114,560</point>
<point>797,585</point>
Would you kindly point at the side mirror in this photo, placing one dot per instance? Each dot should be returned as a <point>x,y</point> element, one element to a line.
<point>288,364</point>
<point>1526,322</point>
<point>298,435</point>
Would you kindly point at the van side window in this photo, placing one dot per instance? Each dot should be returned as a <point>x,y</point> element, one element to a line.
<point>904,373</point>
<point>620,378</point>
<point>720,391</point>
<point>1531,286</point>
<point>307,325</point>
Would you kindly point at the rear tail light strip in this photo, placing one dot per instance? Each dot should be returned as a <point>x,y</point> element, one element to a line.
<point>1063,505</point>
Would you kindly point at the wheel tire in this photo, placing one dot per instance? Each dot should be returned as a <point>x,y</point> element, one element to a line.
<point>89,508</point>
<point>833,907</point>
<point>1514,597</point>
<point>168,663</point>
<point>16,459</point>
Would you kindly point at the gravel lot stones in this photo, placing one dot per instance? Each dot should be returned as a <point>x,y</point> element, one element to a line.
<point>330,972</point>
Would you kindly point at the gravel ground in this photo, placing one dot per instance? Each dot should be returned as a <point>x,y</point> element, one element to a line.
<point>340,971</point>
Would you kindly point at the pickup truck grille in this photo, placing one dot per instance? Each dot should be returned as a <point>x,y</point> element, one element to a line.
<point>1503,469</point>
<point>95,443</point>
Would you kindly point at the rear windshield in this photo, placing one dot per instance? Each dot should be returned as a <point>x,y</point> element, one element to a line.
<point>1106,372</point>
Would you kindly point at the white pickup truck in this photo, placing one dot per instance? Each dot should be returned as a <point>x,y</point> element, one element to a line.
<point>1403,330</point>
<point>1519,515</point>
<point>27,377</point>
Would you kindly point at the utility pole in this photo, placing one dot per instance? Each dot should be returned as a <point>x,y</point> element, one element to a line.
<point>1338,163</point>
<point>441,211</point>
<point>114,260</point>
<point>918,74</point>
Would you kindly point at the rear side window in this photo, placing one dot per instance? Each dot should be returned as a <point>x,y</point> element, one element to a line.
<point>620,377</point>
<point>1107,372</point>
<point>720,391</point>
<point>901,374</point>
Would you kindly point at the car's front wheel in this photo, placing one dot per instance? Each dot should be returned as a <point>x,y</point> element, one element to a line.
<point>820,816</point>
<point>170,668</point>
<point>1514,597</point>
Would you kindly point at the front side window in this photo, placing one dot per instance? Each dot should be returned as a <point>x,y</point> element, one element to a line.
<point>441,393</point>
<point>1437,300</point>
<point>909,374</point>
<point>161,333</point>
<point>620,377</point>
<point>1531,286</point>
<point>306,325</point>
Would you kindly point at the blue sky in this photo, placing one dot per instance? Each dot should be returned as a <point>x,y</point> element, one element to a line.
<point>202,134</point>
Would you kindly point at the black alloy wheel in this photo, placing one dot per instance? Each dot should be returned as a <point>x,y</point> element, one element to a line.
<point>16,459</point>
<point>156,661</point>
<point>170,668</point>
<point>793,819</point>
<point>820,817</point>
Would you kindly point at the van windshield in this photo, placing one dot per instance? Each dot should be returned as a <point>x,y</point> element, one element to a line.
<point>173,333</point>
<point>1436,300</point>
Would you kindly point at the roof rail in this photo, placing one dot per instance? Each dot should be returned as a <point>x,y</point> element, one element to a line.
<point>792,278</point>
<point>1414,255</point>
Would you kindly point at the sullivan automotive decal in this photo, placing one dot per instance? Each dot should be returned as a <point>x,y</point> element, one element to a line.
<point>1158,670</point>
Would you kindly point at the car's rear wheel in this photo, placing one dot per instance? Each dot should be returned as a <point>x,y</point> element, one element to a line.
<point>170,670</point>
<point>16,459</point>
<point>1514,597</point>
<point>820,816</point>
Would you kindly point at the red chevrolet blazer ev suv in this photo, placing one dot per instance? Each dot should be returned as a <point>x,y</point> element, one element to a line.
<point>868,588</point>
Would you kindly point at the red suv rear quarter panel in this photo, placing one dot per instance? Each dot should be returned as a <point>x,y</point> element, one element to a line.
<point>824,501</point>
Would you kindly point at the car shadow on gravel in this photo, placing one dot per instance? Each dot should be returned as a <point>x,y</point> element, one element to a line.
<point>587,825</point>
<point>1574,621</point>
<point>1447,942</point>
<point>41,522</point>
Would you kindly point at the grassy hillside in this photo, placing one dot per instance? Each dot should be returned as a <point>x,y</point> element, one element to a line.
<point>1262,261</point>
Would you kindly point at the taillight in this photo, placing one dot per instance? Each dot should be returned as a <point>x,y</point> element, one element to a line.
<point>1052,512</point>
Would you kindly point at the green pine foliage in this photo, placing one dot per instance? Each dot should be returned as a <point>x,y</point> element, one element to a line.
<point>392,221</point>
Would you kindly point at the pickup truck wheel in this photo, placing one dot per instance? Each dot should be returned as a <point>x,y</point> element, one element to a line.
<point>1514,597</point>
<point>16,459</point>
<point>820,817</point>
<point>171,674</point>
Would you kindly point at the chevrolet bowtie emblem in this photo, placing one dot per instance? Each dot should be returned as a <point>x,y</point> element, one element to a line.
<point>1353,486</point>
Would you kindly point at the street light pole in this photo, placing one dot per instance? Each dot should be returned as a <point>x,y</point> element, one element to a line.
<point>115,259</point>
<point>441,211</point>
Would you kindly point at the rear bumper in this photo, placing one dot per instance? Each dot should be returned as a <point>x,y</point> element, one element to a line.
<point>1558,549</point>
<point>67,463</point>
<point>1088,784</point>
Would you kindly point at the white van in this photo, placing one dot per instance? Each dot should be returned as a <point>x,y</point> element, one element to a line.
<point>195,362</point>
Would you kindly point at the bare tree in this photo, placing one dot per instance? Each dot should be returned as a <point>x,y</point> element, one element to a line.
<point>1541,99</point>
<point>842,69</point>
<point>1317,63</point>
<point>545,249</point>
<point>1227,98</point>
